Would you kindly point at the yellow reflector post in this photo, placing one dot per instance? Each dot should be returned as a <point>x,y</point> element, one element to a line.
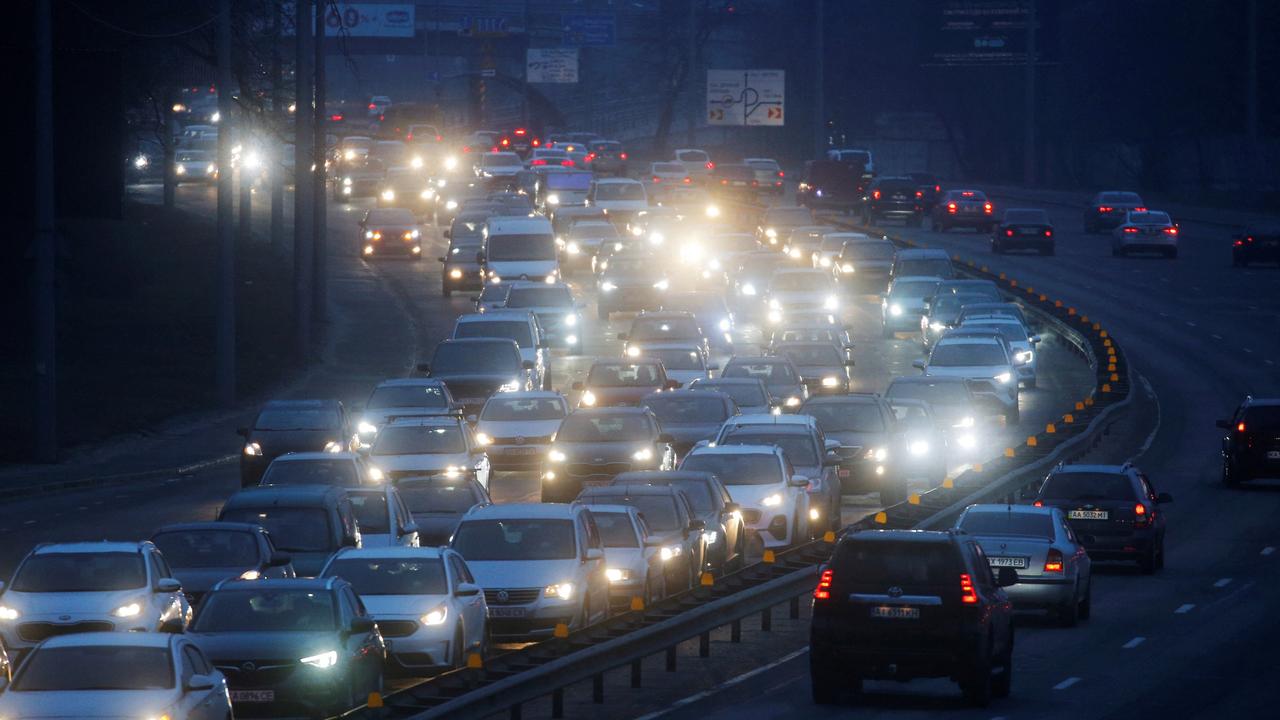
<point>829,536</point>
<point>1002,276</point>
<point>977,467</point>
<point>1106,387</point>
<point>1050,428</point>
<point>948,482</point>
<point>1088,402</point>
<point>1008,452</point>
<point>1071,311</point>
<point>1043,298</point>
<point>1057,303</point>
<point>1079,406</point>
<point>474,661</point>
<point>1068,418</point>
<point>708,579</point>
<point>375,699</point>
<point>769,557</point>
<point>562,630</point>
<point>637,602</point>
<point>1013,283</point>
<point>1031,441</point>
<point>913,498</point>
<point>1103,333</point>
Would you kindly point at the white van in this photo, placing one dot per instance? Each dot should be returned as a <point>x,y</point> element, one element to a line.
<point>521,248</point>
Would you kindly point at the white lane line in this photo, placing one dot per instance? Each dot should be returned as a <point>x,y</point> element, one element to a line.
<point>1248,350</point>
<point>1216,337</point>
<point>1268,550</point>
<point>1190,324</point>
<point>1268,362</point>
<point>1222,582</point>
<point>28,522</point>
<point>1133,643</point>
<point>1184,608</point>
<point>682,702</point>
<point>1066,683</point>
<point>1164,314</point>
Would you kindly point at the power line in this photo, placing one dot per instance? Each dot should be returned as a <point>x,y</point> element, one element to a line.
<point>134,33</point>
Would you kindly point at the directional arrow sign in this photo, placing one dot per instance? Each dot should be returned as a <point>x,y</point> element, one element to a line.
<point>745,97</point>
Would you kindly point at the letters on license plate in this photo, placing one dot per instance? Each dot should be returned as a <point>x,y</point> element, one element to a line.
<point>1013,562</point>
<point>895,613</point>
<point>253,696</point>
<point>1088,515</point>
<point>508,612</point>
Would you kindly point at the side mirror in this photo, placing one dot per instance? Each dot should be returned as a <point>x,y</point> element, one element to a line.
<point>473,419</point>
<point>666,438</point>
<point>594,554</point>
<point>577,385</point>
<point>441,258</point>
<point>279,559</point>
<point>447,233</point>
<point>622,337</point>
<point>1164,497</point>
<point>198,682</point>
<point>1034,339</point>
<point>466,590</point>
<point>243,432</point>
<point>672,385</point>
<point>409,528</point>
<point>361,625</point>
<point>732,507</point>
<point>831,459</point>
<point>1006,576</point>
<point>917,364</point>
<point>697,525</point>
<point>830,445</point>
<point>527,364</point>
<point>798,481</point>
<point>424,367</point>
<point>1224,424</point>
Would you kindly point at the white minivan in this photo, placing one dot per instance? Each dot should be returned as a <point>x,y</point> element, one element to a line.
<point>521,248</point>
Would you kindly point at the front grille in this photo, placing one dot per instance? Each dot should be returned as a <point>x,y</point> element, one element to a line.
<point>397,628</point>
<point>751,516</point>
<point>543,440</point>
<point>37,631</point>
<point>514,596</point>
<point>247,674</point>
<point>471,389</point>
<point>588,469</point>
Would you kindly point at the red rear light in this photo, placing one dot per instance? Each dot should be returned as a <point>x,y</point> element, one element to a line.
<point>382,117</point>
<point>1171,231</point>
<point>536,142</point>
<point>372,106</point>
<point>590,157</point>
<point>538,161</point>
<point>1053,562</point>
<point>937,188</point>
<point>1238,243</point>
<point>1048,233</point>
<point>967,594</point>
<point>967,193</point>
<point>1139,209</point>
<point>439,138</point>
<point>623,156</point>
<point>1008,233</point>
<point>1038,503</point>
<point>1141,518</point>
<point>875,194</point>
<point>823,591</point>
<point>657,179</point>
<point>520,131</point>
<point>466,148</point>
<point>1103,208</point>
<point>1240,427</point>
<point>505,142</point>
<point>755,183</point>
<point>919,194</point>
<point>711,165</point>
<point>986,208</point>
<point>724,181</point>
<point>1131,230</point>
<point>567,162</point>
<point>687,180</point>
<point>409,136</point>
<point>336,118</point>
<point>781,174</point>
<point>951,207</point>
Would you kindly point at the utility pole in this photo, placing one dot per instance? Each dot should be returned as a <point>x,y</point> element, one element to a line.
<point>1251,94</point>
<point>819,80</point>
<point>245,230</point>
<point>166,145</point>
<point>694,110</point>
<point>1029,109</point>
<point>225,310</point>
<point>280,115</point>
<point>303,197</point>
<point>46,357</point>
<point>524,74</point>
<point>320,282</point>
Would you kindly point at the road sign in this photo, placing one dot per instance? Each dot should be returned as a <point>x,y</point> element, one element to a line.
<point>588,30</point>
<point>746,97</point>
<point>483,26</point>
<point>357,20</point>
<point>992,32</point>
<point>552,65</point>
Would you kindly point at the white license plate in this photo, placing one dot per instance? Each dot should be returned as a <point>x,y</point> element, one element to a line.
<point>508,612</point>
<point>521,451</point>
<point>1088,514</point>
<point>1028,231</point>
<point>1273,454</point>
<point>262,696</point>
<point>895,613</point>
<point>1013,562</point>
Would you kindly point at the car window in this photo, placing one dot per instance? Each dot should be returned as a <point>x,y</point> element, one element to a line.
<point>419,440</point>
<point>159,568</point>
<point>80,572</point>
<point>847,416</point>
<point>266,610</point>
<point>207,548</point>
<point>883,564</point>
<point>799,448</point>
<point>517,330</point>
<point>341,473</point>
<point>371,511</point>
<point>292,529</point>
<point>516,539</point>
<point>772,373</point>
<point>616,529</point>
<point>95,668</point>
<point>624,375</point>
<point>1088,486</point>
<point>390,575</point>
<point>1007,524</point>
<point>737,469</point>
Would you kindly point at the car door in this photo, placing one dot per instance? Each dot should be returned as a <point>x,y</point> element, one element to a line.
<point>477,456</point>
<point>404,521</point>
<point>597,583</point>
<point>207,704</point>
<point>166,605</point>
<point>368,648</point>
<point>985,582</point>
<point>732,522</point>
<point>472,609</point>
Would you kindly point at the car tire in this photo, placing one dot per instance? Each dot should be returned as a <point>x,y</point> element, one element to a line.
<point>824,685</point>
<point>1003,683</point>
<point>1050,251</point>
<point>1069,613</point>
<point>1147,563</point>
<point>1086,602</point>
<point>458,658</point>
<point>976,683</point>
<point>1171,253</point>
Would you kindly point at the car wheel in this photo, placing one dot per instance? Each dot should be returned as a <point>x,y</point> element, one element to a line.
<point>1147,563</point>
<point>1069,613</point>
<point>1160,556</point>
<point>824,684</point>
<point>976,683</point>
<point>1086,602</point>
<point>1171,253</point>
<point>1004,681</point>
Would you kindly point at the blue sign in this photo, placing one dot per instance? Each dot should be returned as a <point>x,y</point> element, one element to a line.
<point>588,30</point>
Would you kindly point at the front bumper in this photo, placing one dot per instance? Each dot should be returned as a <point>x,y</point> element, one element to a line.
<point>516,457</point>
<point>426,648</point>
<point>771,527</point>
<point>536,620</point>
<point>463,277</point>
<point>30,630</point>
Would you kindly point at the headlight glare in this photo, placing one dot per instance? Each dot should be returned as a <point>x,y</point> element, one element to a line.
<point>436,616</point>
<point>773,500</point>
<point>323,660</point>
<point>564,591</point>
<point>133,609</point>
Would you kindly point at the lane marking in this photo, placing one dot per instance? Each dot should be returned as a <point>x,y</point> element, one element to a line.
<point>28,522</point>
<point>1268,550</point>
<point>1248,350</point>
<point>1151,436</point>
<point>685,701</point>
<point>1190,324</point>
<point>1216,337</point>
<point>1133,643</point>
<point>1066,683</point>
<point>1223,582</point>
<point>1184,609</point>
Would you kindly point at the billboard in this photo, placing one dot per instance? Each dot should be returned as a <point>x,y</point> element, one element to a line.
<point>361,20</point>
<point>552,65</point>
<point>746,97</point>
<point>987,32</point>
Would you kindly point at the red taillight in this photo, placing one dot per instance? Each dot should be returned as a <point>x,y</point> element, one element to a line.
<point>409,136</point>
<point>657,179</point>
<point>567,162</point>
<point>967,594</point>
<point>919,194</point>
<point>1171,231</point>
<point>1038,503</point>
<point>505,142</point>
<point>1008,233</point>
<point>1103,208</point>
<point>711,165</point>
<point>823,591</point>
<point>538,161</point>
<point>875,194</point>
<point>967,193</point>
<point>1053,562</point>
<point>439,138</point>
<point>937,188</point>
<point>466,148</point>
<point>623,156</point>
<point>1139,209</point>
<point>590,157</point>
<point>1238,243</point>
<point>724,181</point>
<point>1048,233</point>
<point>687,180</point>
<point>1240,427</point>
<point>520,131</point>
<point>536,142</point>
<point>951,207</point>
<point>336,118</point>
<point>986,208</point>
<point>781,174</point>
<point>1141,518</point>
<point>1131,230</point>
<point>372,106</point>
<point>755,183</point>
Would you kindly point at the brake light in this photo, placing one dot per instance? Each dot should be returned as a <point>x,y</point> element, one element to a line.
<point>657,179</point>
<point>590,157</point>
<point>1139,209</point>
<point>372,106</point>
<point>687,180</point>
<point>1238,243</point>
<point>1131,230</point>
<point>823,591</point>
<point>536,142</point>
<point>439,138</point>
<point>937,188</point>
<point>520,131</point>
<point>967,193</point>
<point>1141,518</point>
<point>755,183</point>
<point>919,194</point>
<point>1240,427</point>
<point>986,208</point>
<point>1008,233</point>
<point>1104,208</point>
<point>724,181</point>
<point>567,162</point>
<point>1053,561</point>
<point>538,161</point>
<point>623,156</point>
<point>1048,233</point>
<point>781,174</point>
<point>1171,231</point>
<point>1038,503</point>
<point>466,148</point>
<point>711,165</point>
<point>967,594</point>
<point>336,117</point>
<point>505,142</point>
<point>875,194</point>
<point>951,208</point>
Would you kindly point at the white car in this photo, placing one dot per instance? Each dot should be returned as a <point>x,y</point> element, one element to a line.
<point>633,557</point>
<point>89,587</point>
<point>1147,231</point>
<point>515,428</point>
<point>768,174</point>
<point>117,675</point>
<point>554,157</point>
<point>499,165</point>
<point>697,164</point>
<point>1021,341</point>
<point>558,313</point>
<point>195,166</point>
<point>797,291</point>
<point>904,303</point>
<point>428,447</point>
<point>428,607</point>
<point>774,503</point>
<point>983,359</point>
<point>832,245</point>
<point>383,517</point>
<point>540,564</point>
<point>666,174</point>
<point>620,198</point>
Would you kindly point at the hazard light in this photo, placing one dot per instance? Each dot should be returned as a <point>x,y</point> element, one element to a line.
<point>623,156</point>
<point>711,165</point>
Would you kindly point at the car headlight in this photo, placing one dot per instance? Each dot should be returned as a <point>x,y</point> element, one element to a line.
<point>141,162</point>
<point>452,472</point>
<point>710,537</point>
<point>793,402</point>
<point>770,233</point>
<point>713,211</point>
<point>633,351</point>
<point>588,398</point>
<point>572,248</point>
<point>436,616</point>
<point>794,253</point>
<point>441,182</point>
<point>670,551</point>
<point>133,609</point>
<point>253,449</point>
<point>642,455</point>
<point>895,309</point>
<point>366,428</point>
<point>333,446</point>
<point>724,325</point>
<point>967,441</point>
<point>607,286</point>
<point>1024,357</point>
<point>250,575</point>
<point>774,304</point>
<point>210,169</point>
<point>8,613</point>
<point>617,574</point>
<point>571,339</point>
<point>878,454</point>
<point>748,289</point>
<point>349,155</point>
<point>427,194</point>
<point>376,474</point>
<point>564,591</point>
<point>346,181</point>
<point>773,500</point>
<point>814,514</point>
<point>830,381</point>
<point>824,261</point>
<point>937,326</point>
<point>965,422</point>
<point>570,320</point>
<point>556,456</point>
<point>450,163</point>
<point>774,316</point>
<point>180,170</point>
<point>388,194</point>
<point>323,660</point>
<point>1004,378</point>
<point>510,386</point>
<point>553,199</point>
<point>455,274</point>
<point>416,162</point>
<point>918,447</point>
<point>451,205</point>
<point>483,438</point>
<point>846,268</point>
<point>662,284</point>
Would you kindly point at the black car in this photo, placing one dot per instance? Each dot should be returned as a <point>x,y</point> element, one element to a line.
<point>823,366</point>
<point>406,188</point>
<point>390,231</point>
<point>629,281</point>
<point>475,368</point>
<point>437,504</point>
<point>310,522</point>
<point>724,530</point>
<point>942,313</point>
<point>622,383</point>
<point>1023,229</point>
<point>870,443</point>
<point>1257,244</point>
<point>865,265</point>
<point>778,374</point>
<point>734,182</point>
<point>690,416</point>
<point>963,208</point>
<point>593,446</point>
<point>832,185</point>
<point>928,188</point>
<point>893,198</point>
<point>905,604</point>
<point>1113,509</point>
<point>1251,448</point>
<point>285,426</point>
<point>462,268</point>
<point>1108,210</point>
<point>202,553</point>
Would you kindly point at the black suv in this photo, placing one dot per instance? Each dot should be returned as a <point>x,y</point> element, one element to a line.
<point>1256,244</point>
<point>900,604</point>
<point>1252,447</point>
<point>1113,509</point>
<point>893,198</point>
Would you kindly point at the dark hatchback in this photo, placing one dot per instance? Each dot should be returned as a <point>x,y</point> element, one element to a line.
<point>831,184</point>
<point>735,182</point>
<point>1108,210</point>
<point>1256,244</point>
<point>1251,448</point>
<point>202,553</point>
<point>1023,229</point>
<point>437,504</point>
<point>593,446</point>
<point>724,529</point>
<point>285,426</point>
<point>893,198</point>
<point>620,383</point>
<point>690,416</point>
<point>475,368</point>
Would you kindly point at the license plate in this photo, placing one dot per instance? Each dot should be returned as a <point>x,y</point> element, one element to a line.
<point>508,612</point>
<point>469,401</point>
<point>1028,231</point>
<point>263,696</point>
<point>899,197</point>
<point>895,613</point>
<point>1273,454</point>
<point>521,451</point>
<point>844,473</point>
<point>1088,515</point>
<point>1013,562</point>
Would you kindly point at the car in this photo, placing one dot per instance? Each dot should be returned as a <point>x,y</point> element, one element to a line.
<point>515,429</point>
<point>61,588</point>
<point>563,218</point>
<point>390,231</point>
<point>354,149</point>
<point>1021,341</point>
<point>520,140</point>
<point>493,296</point>
<point>801,243</point>
<point>1114,509</point>
<point>520,248</point>
<point>634,563</point>
<point>665,174</point>
<point>1148,231</point>
<point>963,208</point>
<point>801,290</point>
<point>284,426</point>
<point>952,402</point>
<point>859,158</point>
<point>985,360</point>
<point>831,245</point>
<point>751,279</point>
<point>622,383</point>
<point>669,518</point>
<point>823,366</point>
<point>620,198</point>
<point>988,290</point>
<point>479,141</point>
<point>475,368</point>
<point>194,166</point>
<point>697,164</point>
<point>519,325</point>
<point>1251,448</point>
<point>828,184</point>
<point>662,328</point>
<point>563,189</point>
<point>582,244</point>
<point>871,444</point>
<point>357,179</point>
<point>778,221</point>
<point>402,397</point>
<point>807,450</point>
<point>462,268</point>
<point>549,157</point>
<point>1023,229</point>
<point>865,265</point>
<point>928,188</point>
<point>498,166</point>
<point>724,531</point>
<point>405,187</point>
<point>1054,570</point>
<point>540,564</point>
<point>437,503</point>
<point>778,374</point>
<point>383,517</point>
<point>607,157</point>
<point>768,174</point>
<point>98,674</point>
<point>1108,209</point>
<point>749,395</point>
<point>452,194</point>
<point>800,329</point>
<point>593,445</point>
<point>904,303</point>
<point>682,363</point>
<point>199,554</point>
<point>1255,244</point>
<point>343,469</point>
<point>558,315</point>
<point>709,310</point>
<point>734,182</point>
<point>304,646</point>
<point>415,447</point>
<point>690,416</point>
<point>928,262</point>
<point>630,281</point>
<point>893,198</point>
<point>924,437</point>
<point>770,495</point>
<point>310,522</point>
<point>941,314</point>
<point>905,604</point>
<point>427,605</point>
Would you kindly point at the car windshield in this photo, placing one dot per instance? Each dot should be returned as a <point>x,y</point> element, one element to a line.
<point>771,373</point>
<point>475,358</point>
<point>283,471</point>
<point>824,355</point>
<point>391,576</point>
<point>800,282</point>
<point>540,297</point>
<point>1088,486</point>
<point>686,409</point>
<point>798,448</point>
<point>292,529</point>
<point>925,267</point>
<point>95,667</point>
<point>370,508</point>
<point>694,156</point>
<point>569,181</point>
<point>624,375</point>
<point>1262,417</point>
<point>859,157</point>
<point>903,185</point>
<point>517,330</point>
<point>763,164</point>
<point>698,492</point>
<point>788,217</point>
<point>967,354</point>
<point>583,428</point>
<point>593,230</point>
<point>516,539</point>
<point>832,243</point>
<point>744,394</point>
<point>620,191</point>
<point>208,548</point>
<point>465,232</point>
<point>658,511</point>
<point>495,293</point>
<point>1121,198</point>
<point>677,359</point>
<point>500,160</point>
<point>704,303</point>
<point>846,416</point>
<point>616,529</point>
<point>743,469</point>
<point>870,251</point>
<point>1013,332</point>
<point>514,248</point>
<point>436,496</point>
<point>663,329</point>
<point>1026,217</point>
<point>1011,524</point>
<point>807,335</point>
<point>642,266</point>
<point>393,216</point>
<point>80,572</point>
<point>267,610</point>
<point>414,396</point>
<point>419,440</point>
<point>934,393</point>
<point>915,289</point>
<point>908,565</point>
<point>949,304</point>
<point>761,265</point>
<point>508,409</point>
